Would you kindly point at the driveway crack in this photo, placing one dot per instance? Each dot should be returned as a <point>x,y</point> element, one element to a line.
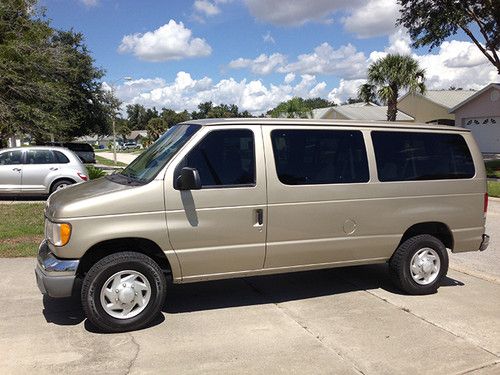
<point>316,337</point>
<point>136,354</point>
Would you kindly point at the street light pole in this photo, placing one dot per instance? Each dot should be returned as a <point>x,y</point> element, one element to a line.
<point>112,85</point>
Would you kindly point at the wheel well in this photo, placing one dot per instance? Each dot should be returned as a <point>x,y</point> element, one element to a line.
<point>436,229</point>
<point>61,179</point>
<point>139,245</point>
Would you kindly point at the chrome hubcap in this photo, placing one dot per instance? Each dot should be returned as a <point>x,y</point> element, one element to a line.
<point>425,266</point>
<point>125,294</point>
<point>62,186</point>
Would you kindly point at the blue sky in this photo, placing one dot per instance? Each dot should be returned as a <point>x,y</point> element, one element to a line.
<point>254,53</point>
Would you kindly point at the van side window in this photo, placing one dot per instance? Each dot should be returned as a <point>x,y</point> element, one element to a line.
<point>224,158</point>
<point>412,156</point>
<point>306,157</point>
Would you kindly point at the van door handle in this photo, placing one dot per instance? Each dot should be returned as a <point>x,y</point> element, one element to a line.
<point>16,169</point>
<point>259,217</point>
<point>53,169</point>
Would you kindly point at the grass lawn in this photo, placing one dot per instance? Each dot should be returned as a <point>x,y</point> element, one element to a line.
<point>104,161</point>
<point>21,234</point>
<point>494,189</point>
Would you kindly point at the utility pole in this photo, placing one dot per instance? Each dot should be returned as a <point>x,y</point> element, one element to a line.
<point>114,139</point>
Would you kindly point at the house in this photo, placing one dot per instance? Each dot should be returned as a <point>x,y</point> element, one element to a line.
<point>480,113</point>
<point>434,105</point>
<point>137,135</point>
<point>358,111</point>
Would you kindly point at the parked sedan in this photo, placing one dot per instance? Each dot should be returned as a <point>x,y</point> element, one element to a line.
<point>132,146</point>
<point>39,170</point>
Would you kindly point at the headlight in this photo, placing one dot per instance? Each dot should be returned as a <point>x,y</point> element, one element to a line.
<point>58,234</point>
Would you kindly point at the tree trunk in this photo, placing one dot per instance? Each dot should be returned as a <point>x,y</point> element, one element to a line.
<point>392,109</point>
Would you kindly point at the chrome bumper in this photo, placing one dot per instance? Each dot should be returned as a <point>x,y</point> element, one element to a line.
<point>485,243</point>
<point>54,276</point>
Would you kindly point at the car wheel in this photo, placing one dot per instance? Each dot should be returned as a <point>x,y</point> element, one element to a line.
<point>123,292</point>
<point>61,184</point>
<point>419,264</point>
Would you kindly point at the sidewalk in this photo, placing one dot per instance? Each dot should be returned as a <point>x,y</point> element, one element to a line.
<point>120,156</point>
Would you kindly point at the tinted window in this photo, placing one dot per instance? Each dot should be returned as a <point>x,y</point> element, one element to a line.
<point>40,157</point>
<point>408,156</point>
<point>224,158</point>
<point>10,157</point>
<point>79,147</point>
<point>60,157</point>
<point>319,156</point>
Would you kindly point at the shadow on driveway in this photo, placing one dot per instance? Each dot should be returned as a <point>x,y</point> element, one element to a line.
<point>182,298</point>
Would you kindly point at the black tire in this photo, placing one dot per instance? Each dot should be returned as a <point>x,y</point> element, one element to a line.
<point>105,268</point>
<point>400,263</point>
<point>56,185</point>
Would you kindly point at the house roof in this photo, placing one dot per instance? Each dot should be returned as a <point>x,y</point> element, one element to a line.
<point>445,98</point>
<point>136,133</point>
<point>475,95</point>
<point>377,113</point>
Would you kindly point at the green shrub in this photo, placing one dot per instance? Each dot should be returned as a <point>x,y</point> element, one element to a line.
<point>95,172</point>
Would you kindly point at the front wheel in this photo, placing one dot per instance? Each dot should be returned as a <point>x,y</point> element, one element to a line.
<point>419,264</point>
<point>123,292</point>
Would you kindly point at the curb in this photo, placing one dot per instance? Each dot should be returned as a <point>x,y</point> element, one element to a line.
<point>478,274</point>
<point>494,199</point>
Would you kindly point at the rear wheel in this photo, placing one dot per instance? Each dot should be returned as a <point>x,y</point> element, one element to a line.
<point>419,264</point>
<point>61,184</point>
<point>123,291</point>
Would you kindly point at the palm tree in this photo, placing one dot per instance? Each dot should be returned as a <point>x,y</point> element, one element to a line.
<point>366,93</point>
<point>392,74</point>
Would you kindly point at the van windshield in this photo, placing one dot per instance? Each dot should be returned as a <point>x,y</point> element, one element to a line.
<point>147,165</point>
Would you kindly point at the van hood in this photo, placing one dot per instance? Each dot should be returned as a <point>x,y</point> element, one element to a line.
<point>104,197</point>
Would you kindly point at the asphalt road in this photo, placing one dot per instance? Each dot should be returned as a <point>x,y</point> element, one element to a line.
<point>339,321</point>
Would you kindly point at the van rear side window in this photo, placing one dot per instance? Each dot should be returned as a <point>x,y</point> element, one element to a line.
<point>414,156</point>
<point>305,157</point>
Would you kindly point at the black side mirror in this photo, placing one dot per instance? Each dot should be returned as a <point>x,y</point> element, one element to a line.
<point>189,179</point>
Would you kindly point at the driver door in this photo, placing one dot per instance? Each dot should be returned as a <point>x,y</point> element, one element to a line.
<point>220,228</point>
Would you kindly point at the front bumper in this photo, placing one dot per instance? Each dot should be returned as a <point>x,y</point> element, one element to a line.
<point>54,277</point>
<point>485,242</point>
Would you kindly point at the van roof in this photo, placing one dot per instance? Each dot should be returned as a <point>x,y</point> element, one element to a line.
<point>317,122</point>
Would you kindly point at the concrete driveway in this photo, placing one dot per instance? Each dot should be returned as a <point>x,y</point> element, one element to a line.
<point>123,157</point>
<point>340,321</point>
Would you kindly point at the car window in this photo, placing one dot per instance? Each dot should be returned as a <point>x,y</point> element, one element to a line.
<point>306,157</point>
<point>412,156</point>
<point>40,157</point>
<point>224,158</point>
<point>10,157</point>
<point>60,157</point>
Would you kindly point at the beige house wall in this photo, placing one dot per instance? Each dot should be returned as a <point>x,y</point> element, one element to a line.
<point>481,106</point>
<point>422,109</point>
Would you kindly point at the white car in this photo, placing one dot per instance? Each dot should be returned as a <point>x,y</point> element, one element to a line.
<point>39,170</point>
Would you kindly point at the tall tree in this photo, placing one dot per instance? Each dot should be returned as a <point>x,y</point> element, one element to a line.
<point>156,126</point>
<point>48,82</point>
<point>430,22</point>
<point>292,108</point>
<point>392,74</point>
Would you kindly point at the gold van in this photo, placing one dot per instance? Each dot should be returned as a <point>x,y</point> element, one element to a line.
<point>222,198</point>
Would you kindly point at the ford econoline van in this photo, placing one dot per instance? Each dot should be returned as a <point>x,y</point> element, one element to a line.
<point>223,198</point>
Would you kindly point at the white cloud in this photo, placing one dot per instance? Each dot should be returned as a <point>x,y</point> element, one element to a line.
<point>206,7</point>
<point>297,12</point>
<point>90,3</point>
<point>373,18</point>
<point>345,62</point>
<point>262,65</point>
<point>268,38</point>
<point>289,78</point>
<point>172,41</point>
<point>347,89</point>
<point>186,93</point>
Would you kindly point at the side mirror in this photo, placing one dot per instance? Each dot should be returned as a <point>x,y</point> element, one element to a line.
<point>189,179</point>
